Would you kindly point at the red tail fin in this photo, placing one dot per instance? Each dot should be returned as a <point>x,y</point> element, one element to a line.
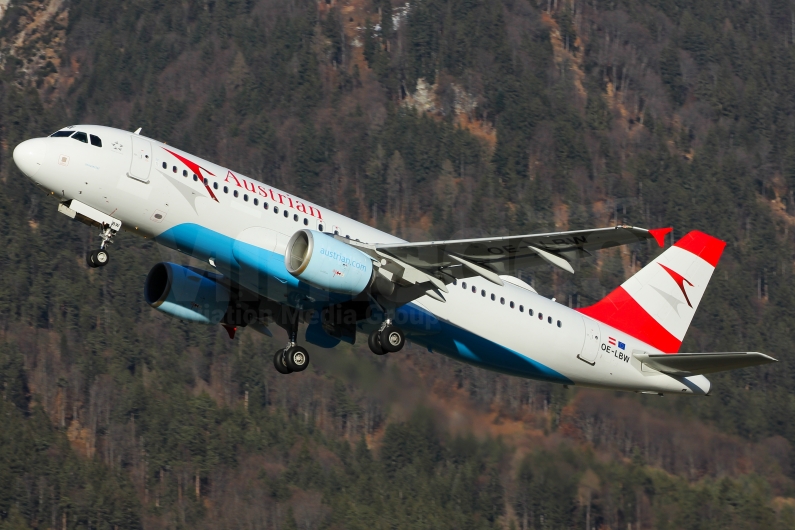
<point>657,304</point>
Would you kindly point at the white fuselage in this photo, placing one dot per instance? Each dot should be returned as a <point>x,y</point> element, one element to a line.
<point>150,187</point>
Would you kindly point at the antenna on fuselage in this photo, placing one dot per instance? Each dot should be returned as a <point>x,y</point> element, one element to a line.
<point>138,130</point>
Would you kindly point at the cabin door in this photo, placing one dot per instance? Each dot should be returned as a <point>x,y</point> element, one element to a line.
<point>141,159</point>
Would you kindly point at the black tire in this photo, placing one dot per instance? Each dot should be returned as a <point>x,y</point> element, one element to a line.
<point>392,339</point>
<point>297,359</point>
<point>279,364</point>
<point>374,342</point>
<point>90,259</point>
<point>100,257</point>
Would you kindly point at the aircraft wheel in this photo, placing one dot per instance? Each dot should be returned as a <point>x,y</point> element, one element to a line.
<point>392,339</point>
<point>279,364</point>
<point>101,257</point>
<point>97,258</point>
<point>374,342</point>
<point>297,359</point>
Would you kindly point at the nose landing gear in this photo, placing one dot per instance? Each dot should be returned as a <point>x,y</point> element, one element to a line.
<point>97,258</point>
<point>100,257</point>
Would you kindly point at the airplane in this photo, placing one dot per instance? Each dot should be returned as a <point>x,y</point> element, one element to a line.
<point>274,258</point>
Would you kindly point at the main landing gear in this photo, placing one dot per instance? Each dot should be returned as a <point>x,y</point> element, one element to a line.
<point>386,339</point>
<point>292,358</point>
<point>100,257</point>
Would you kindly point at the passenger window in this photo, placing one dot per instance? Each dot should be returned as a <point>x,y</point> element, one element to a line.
<point>184,172</point>
<point>265,205</point>
<point>235,193</point>
<point>165,166</point>
<point>256,201</point>
<point>80,137</point>
<point>320,227</point>
<point>541,316</point>
<point>195,177</point>
<point>174,169</point>
<point>521,309</point>
<point>483,293</point>
<point>530,312</point>
<point>306,221</point>
<point>493,297</point>
<point>559,324</point>
<point>226,190</point>
<point>275,209</point>
<point>206,182</point>
<point>295,218</point>
<point>61,134</point>
<point>502,301</point>
<point>549,319</point>
<point>245,197</point>
<point>95,141</point>
<point>512,306</point>
<point>464,285</point>
<point>474,289</point>
<point>286,214</point>
<point>215,185</point>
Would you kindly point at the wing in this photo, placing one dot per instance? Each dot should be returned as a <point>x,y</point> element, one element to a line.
<point>428,266</point>
<point>686,364</point>
<point>505,255</point>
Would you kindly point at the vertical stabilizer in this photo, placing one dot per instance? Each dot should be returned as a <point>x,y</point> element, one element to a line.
<point>657,304</point>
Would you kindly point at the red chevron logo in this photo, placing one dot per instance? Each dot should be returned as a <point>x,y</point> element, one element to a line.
<point>680,281</point>
<point>196,169</point>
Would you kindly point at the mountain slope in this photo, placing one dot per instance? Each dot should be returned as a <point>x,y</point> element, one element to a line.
<point>436,119</point>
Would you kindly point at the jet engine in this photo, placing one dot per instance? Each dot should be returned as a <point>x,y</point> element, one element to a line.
<point>186,293</point>
<point>326,263</point>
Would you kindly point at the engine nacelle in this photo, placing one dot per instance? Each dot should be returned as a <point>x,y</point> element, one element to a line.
<point>183,293</point>
<point>326,263</point>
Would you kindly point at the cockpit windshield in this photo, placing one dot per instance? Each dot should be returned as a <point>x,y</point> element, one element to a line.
<point>79,136</point>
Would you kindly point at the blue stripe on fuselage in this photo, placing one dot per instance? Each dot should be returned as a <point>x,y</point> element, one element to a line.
<point>264,272</point>
<point>444,337</point>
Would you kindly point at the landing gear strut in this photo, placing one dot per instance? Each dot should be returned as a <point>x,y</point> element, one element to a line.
<point>292,358</point>
<point>388,338</point>
<point>100,257</point>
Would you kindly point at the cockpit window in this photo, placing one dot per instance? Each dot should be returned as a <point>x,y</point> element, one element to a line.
<point>96,141</point>
<point>81,137</point>
<point>61,134</point>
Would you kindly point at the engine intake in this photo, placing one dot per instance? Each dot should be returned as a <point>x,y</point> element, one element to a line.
<point>184,293</point>
<point>326,263</point>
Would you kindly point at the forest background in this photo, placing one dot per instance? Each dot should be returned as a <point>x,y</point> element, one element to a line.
<point>430,119</point>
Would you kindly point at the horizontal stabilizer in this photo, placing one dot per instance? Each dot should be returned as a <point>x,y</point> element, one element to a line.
<point>686,364</point>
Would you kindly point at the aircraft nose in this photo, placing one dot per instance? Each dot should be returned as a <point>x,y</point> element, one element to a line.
<point>29,155</point>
